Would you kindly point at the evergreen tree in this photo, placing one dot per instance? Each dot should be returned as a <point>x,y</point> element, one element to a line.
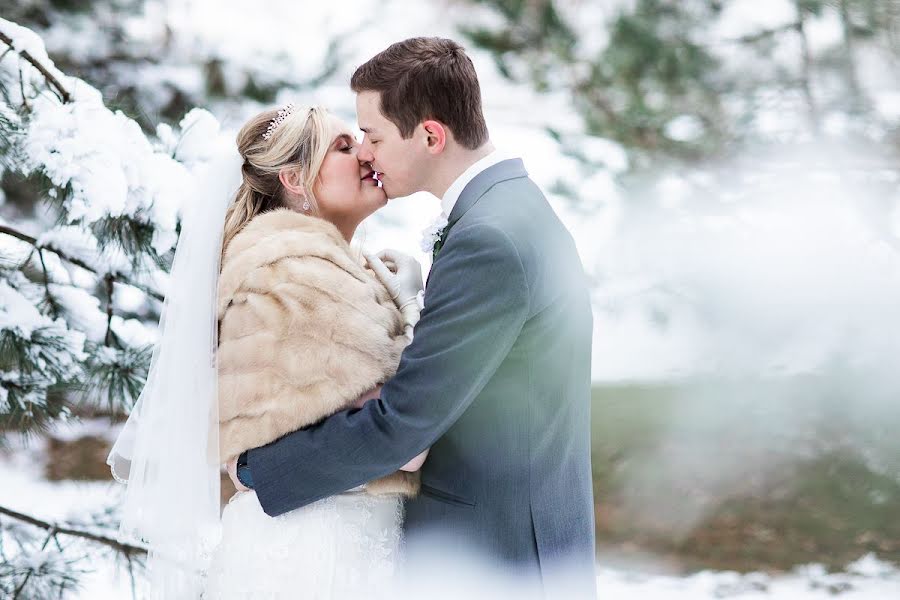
<point>657,75</point>
<point>67,341</point>
<point>140,65</point>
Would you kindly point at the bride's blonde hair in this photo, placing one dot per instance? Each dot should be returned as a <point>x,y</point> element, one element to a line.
<point>301,140</point>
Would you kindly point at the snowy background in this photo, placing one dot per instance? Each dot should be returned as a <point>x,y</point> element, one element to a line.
<point>738,214</point>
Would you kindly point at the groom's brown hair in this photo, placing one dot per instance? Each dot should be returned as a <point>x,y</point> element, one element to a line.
<point>426,78</point>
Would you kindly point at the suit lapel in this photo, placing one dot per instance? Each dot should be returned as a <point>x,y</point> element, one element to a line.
<point>512,168</point>
<point>504,170</point>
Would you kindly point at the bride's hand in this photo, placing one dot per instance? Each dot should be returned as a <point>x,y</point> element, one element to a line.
<point>403,281</point>
<point>416,463</point>
<point>231,467</point>
<point>372,394</point>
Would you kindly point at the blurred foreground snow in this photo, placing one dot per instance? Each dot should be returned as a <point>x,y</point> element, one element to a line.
<point>868,578</point>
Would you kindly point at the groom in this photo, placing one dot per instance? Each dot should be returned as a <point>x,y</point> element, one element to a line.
<point>497,379</point>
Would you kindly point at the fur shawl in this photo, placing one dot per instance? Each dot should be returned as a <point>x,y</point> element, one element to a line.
<point>304,330</point>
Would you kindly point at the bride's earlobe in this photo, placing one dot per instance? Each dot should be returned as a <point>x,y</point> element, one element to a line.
<point>292,181</point>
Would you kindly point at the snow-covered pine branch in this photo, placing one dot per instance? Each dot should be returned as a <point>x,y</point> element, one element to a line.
<point>113,195</point>
<point>49,76</point>
<point>83,271</point>
<point>50,556</point>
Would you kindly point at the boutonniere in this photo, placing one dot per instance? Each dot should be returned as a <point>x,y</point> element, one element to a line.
<point>433,236</point>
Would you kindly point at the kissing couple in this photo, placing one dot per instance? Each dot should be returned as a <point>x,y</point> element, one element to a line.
<point>382,435</point>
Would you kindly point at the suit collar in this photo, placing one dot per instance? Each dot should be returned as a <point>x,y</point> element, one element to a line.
<point>505,170</point>
<point>448,201</point>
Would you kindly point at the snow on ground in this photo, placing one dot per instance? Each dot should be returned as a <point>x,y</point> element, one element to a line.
<point>807,583</point>
<point>689,280</point>
<point>25,490</point>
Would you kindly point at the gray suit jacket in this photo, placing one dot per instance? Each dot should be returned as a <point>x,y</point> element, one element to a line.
<point>496,382</point>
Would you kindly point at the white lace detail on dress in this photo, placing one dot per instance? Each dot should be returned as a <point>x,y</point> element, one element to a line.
<point>345,546</point>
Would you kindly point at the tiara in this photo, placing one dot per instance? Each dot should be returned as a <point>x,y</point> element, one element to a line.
<point>283,114</point>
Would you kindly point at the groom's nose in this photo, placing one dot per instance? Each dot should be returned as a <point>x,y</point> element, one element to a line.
<point>365,154</point>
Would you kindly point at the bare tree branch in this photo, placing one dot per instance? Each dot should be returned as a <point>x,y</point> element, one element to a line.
<point>51,302</point>
<point>765,33</point>
<point>64,95</point>
<point>5,229</point>
<point>122,547</point>
<point>806,73</point>
<point>109,309</point>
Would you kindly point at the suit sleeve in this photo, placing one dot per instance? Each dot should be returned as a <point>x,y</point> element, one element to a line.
<point>476,304</point>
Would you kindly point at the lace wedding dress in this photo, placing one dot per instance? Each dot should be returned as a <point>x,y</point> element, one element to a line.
<point>345,546</point>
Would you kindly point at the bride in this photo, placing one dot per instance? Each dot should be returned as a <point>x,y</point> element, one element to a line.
<point>272,322</point>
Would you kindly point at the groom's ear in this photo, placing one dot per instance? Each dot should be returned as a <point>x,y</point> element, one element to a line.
<point>435,136</point>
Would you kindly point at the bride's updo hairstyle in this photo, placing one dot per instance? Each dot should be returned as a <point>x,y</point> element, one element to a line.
<point>300,139</point>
